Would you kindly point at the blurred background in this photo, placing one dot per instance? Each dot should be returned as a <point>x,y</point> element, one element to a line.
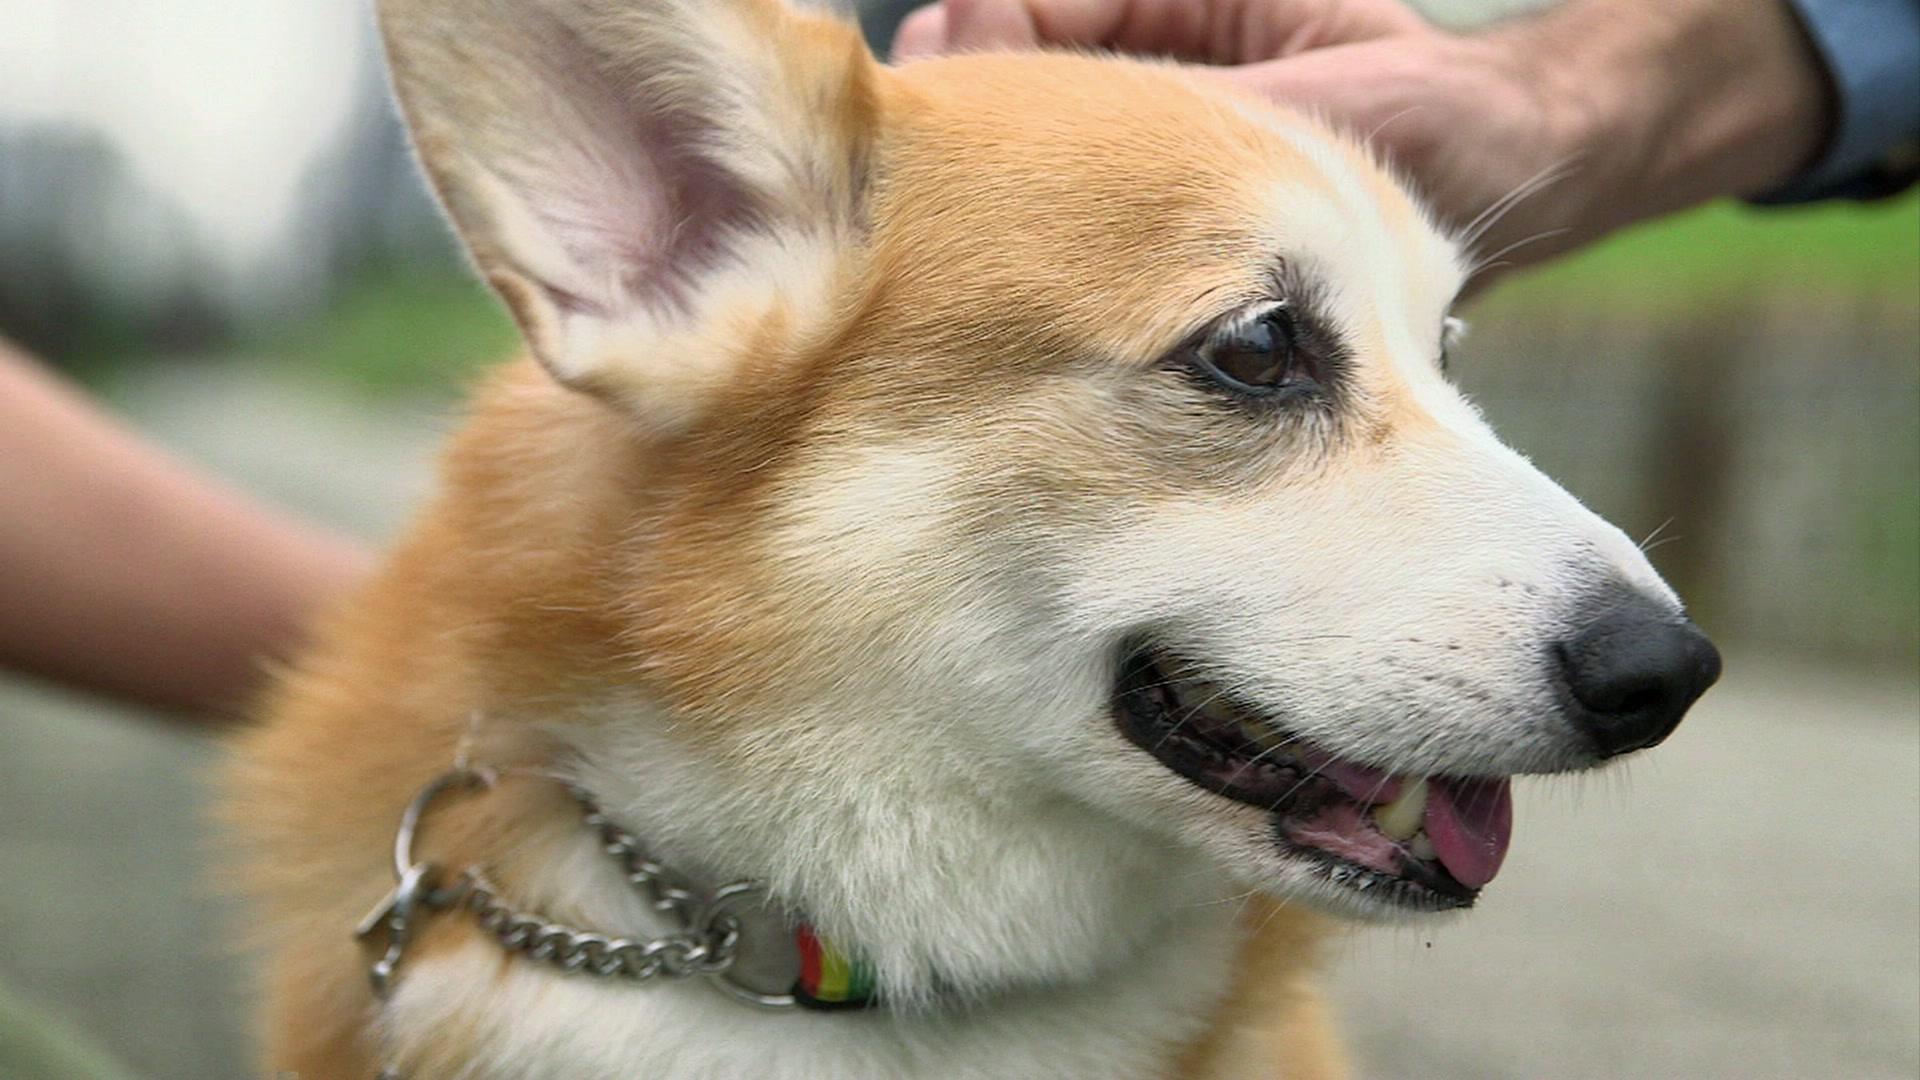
<point>209,217</point>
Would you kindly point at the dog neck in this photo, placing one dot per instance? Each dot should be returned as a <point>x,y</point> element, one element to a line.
<point>985,917</point>
<point>947,890</point>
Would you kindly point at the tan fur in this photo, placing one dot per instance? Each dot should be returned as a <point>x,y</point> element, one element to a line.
<point>1273,1024</point>
<point>384,700</point>
<point>573,546</point>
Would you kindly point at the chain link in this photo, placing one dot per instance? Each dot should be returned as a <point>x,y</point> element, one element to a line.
<point>706,944</point>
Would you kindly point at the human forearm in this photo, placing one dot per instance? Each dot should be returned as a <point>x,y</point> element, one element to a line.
<point>1679,101</point>
<point>123,571</point>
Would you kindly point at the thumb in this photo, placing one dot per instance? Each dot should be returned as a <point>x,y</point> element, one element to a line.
<point>921,34</point>
<point>978,25</point>
<point>1214,31</point>
<point>1155,27</point>
<point>1324,81</point>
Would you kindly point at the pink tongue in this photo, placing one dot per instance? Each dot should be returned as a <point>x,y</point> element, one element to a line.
<point>1469,823</point>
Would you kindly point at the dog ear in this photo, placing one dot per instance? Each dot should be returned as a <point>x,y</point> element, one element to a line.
<point>645,182</point>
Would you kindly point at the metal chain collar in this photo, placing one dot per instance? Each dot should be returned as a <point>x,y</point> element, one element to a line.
<point>705,944</point>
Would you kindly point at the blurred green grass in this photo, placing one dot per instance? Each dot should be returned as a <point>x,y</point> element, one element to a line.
<point>1728,251</point>
<point>402,331</point>
<point>396,331</point>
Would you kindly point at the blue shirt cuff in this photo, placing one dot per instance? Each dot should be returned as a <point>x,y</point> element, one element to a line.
<point>1872,52</point>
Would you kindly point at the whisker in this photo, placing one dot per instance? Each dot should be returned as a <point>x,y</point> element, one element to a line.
<point>1192,712</point>
<point>1662,527</point>
<point>1493,260</point>
<point>1647,549</point>
<point>1472,233</point>
<point>1388,122</point>
<point>1473,230</point>
<point>1273,912</point>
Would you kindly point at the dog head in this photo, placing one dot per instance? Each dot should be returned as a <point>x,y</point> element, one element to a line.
<point>1033,442</point>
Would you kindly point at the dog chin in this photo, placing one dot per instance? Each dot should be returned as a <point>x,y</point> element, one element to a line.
<point>1335,888</point>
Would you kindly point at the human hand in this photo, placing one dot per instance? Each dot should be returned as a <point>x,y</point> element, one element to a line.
<point>1531,138</point>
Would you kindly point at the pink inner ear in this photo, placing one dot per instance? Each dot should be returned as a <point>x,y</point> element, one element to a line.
<point>622,182</point>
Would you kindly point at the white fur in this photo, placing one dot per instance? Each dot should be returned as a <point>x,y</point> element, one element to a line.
<point>1077,946</point>
<point>941,787</point>
<point>537,1026</point>
<point>878,510</point>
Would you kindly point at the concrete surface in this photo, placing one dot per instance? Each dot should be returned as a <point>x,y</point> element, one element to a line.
<point>1743,903</point>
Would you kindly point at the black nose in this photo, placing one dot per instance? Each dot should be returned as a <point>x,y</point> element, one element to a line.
<point>1635,669</point>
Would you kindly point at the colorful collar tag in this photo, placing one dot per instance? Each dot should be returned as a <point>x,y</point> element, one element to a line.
<point>830,979</point>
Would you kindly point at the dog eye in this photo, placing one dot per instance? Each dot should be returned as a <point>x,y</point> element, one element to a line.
<point>1256,355</point>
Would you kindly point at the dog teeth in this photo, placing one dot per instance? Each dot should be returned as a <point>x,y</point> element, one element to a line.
<point>1259,734</point>
<point>1217,710</point>
<point>1401,818</point>
<point>1201,699</point>
<point>1422,847</point>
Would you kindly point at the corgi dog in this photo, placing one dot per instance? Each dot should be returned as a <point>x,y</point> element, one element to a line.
<point>981,569</point>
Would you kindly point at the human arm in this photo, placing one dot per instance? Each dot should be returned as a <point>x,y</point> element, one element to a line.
<point>1871,51</point>
<point>1627,108</point>
<point>124,572</point>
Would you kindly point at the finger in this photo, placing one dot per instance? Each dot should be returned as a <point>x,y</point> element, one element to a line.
<point>1184,28</point>
<point>1210,31</point>
<point>989,24</point>
<point>1164,27</point>
<point>1214,31</point>
<point>924,33</point>
<point>1091,22</point>
<point>1321,81</point>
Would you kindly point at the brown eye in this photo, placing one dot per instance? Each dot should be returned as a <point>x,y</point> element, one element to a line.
<point>1255,355</point>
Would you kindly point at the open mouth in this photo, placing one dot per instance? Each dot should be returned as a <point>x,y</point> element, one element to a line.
<point>1422,842</point>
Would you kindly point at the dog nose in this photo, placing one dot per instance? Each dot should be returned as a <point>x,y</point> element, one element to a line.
<point>1636,669</point>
